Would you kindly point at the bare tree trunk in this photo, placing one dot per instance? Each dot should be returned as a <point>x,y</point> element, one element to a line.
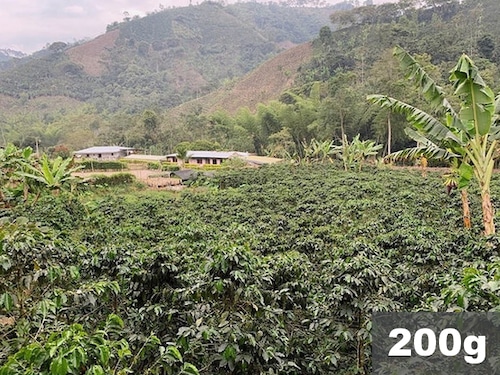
<point>465,208</point>
<point>489,225</point>
<point>389,133</point>
<point>344,141</point>
<point>423,166</point>
<point>342,130</point>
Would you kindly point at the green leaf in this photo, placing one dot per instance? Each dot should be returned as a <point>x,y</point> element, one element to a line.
<point>104,354</point>
<point>59,366</point>
<point>74,272</point>
<point>478,100</point>
<point>114,322</point>
<point>96,370</point>
<point>5,262</point>
<point>175,353</point>
<point>466,173</point>
<point>6,301</point>
<point>421,120</point>
<point>414,71</point>
<point>190,369</point>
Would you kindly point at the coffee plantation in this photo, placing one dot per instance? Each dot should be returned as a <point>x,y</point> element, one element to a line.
<point>275,270</point>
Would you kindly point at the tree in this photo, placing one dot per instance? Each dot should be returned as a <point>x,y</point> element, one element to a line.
<point>469,135</point>
<point>300,114</point>
<point>355,153</point>
<point>248,121</point>
<point>281,144</point>
<point>317,151</point>
<point>386,76</point>
<point>54,174</point>
<point>13,161</point>
<point>151,123</point>
<point>340,112</point>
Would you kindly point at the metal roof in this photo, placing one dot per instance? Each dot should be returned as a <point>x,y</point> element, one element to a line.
<point>103,150</point>
<point>260,160</point>
<point>186,174</point>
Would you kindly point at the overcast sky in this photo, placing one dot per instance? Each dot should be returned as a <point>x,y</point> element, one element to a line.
<point>28,25</point>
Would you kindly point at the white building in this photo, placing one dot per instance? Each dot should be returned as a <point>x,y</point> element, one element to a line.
<point>104,152</point>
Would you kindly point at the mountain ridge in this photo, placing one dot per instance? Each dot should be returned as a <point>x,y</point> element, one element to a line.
<point>8,53</point>
<point>165,58</point>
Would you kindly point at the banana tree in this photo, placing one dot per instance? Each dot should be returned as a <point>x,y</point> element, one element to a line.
<point>13,162</point>
<point>460,173</point>
<point>355,153</point>
<point>53,174</point>
<point>468,136</point>
<point>317,151</point>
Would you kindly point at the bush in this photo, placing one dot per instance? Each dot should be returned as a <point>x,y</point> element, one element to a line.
<point>114,180</point>
<point>165,167</point>
<point>102,165</point>
<point>154,166</point>
<point>170,167</point>
<point>205,167</point>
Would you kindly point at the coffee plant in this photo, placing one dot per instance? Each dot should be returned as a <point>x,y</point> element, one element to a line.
<point>275,270</point>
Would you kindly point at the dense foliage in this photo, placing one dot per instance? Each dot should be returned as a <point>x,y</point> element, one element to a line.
<point>352,58</point>
<point>266,271</point>
<point>274,270</point>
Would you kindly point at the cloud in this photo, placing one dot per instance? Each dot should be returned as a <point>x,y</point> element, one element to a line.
<point>29,25</point>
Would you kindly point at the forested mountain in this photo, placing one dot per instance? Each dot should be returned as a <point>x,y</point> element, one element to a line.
<point>165,58</point>
<point>118,88</point>
<point>9,54</point>
<point>352,59</point>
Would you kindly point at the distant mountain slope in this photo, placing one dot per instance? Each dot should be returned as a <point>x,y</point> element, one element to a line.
<point>91,55</point>
<point>261,85</point>
<point>165,58</point>
<point>8,57</point>
<point>8,54</point>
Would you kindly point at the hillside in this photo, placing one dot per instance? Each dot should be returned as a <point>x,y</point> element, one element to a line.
<point>155,82</point>
<point>165,58</point>
<point>261,85</point>
<point>91,55</point>
<point>350,61</point>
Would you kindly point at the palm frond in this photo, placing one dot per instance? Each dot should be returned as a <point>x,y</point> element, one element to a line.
<point>478,101</point>
<point>419,119</point>
<point>496,115</point>
<point>431,91</point>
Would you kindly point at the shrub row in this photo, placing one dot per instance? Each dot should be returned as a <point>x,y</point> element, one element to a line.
<point>114,180</point>
<point>169,167</point>
<point>102,165</point>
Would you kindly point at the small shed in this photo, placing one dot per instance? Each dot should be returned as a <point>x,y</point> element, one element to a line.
<point>104,152</point>
<point>171,158</point>
<point>186,174</point>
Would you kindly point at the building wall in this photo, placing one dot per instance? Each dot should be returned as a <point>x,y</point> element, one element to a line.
<point>104,156</point>
<point>203,161</point>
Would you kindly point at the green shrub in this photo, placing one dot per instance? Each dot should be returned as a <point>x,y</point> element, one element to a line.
<point>170,167</point>
<point>114,180</point>
<point>102,165</point>
<point>154,166</point>
<point>204,167</point>
<point>165,167</point>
